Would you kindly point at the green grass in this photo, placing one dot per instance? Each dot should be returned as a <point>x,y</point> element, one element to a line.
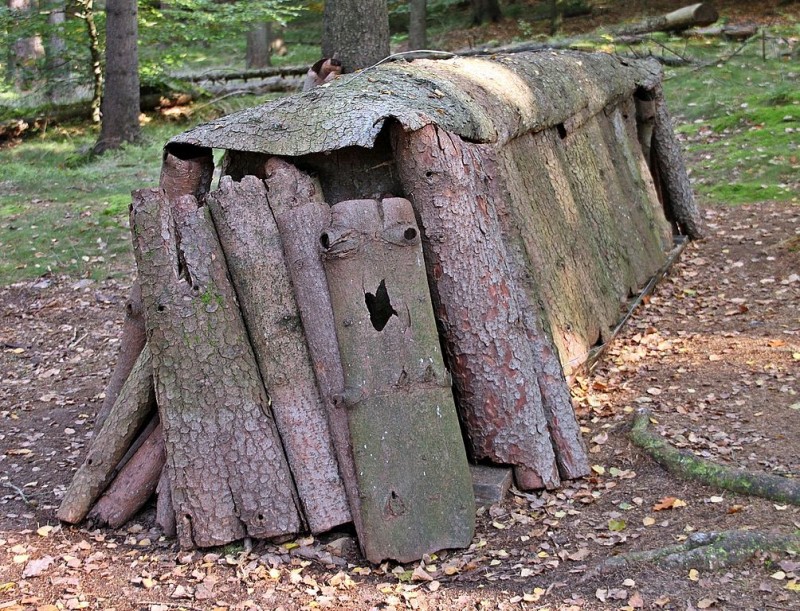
<point>741,121</point>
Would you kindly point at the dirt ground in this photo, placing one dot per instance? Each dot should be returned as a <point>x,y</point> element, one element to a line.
<point>715,353</point>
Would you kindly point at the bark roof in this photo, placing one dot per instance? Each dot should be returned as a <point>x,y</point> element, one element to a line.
<point>490,100</point>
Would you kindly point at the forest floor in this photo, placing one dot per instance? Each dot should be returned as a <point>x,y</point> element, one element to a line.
<point>714,353</point>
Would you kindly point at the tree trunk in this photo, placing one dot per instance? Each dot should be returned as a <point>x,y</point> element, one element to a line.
<point>259,46</point>
<point>133,407</point>
<point>485,10</point>
<point>56,64</point>
<point>131,344</point>
<point>165,512</point>
<point>228,475</point>
<point>486,340</point>
<point>295,201</point>
<point>120,106</point>
<point>23,53</point>
<point>417,27</point>
<point>134,485</point>
<point>356,32</point>
<point>555,16</point>
<point>701,14</point>
<point>252,245</point>
<point>414,480</point>
<point>95,55</point>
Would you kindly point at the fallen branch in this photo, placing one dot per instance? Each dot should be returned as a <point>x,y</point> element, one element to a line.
<point>703,551</point>
<point>689,466</point>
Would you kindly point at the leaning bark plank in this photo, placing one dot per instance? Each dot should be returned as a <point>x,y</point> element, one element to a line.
<point>680,204</point>
<point>689,466</point>
<point>695,15</point>
<point>131,344</point>
<point>252,245</point>
<point>134,405</point>
<point>165,513</point>
<point>134,484</point>
<point>229,478</point>
<point>295,200</point>
<point>414,480</point>
<point>489,352</point>
<point>186,170</point>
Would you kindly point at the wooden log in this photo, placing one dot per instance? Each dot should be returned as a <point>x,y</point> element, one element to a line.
<point>228,475</point>
<point>132,409</point>
<point>296,202</point>
<point>476,302</point>
<point>679,204</point>
<point>165,512</point>
<point>413,476</point>
<point>186,170</point>
<point>695,15</point>
<point>134,485</point>
<point>131,344</point>
<point>140,439</point>
<point>252,245</point>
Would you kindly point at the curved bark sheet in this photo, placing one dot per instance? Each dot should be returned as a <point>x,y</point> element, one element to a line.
<point>480,99</point>
<point>476,302</point>
<point>414,480</point>
<point>301,215</point>
<point>229,477</point>
<point>253,251</point>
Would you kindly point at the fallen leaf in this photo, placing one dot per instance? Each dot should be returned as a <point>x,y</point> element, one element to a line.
<point>615,525</point>
<point>668,502</point>
<point>636,601</point>
<point>705,603</point>
<point>694,575</point>
<point>36,567</point>
<point>420,574</point>
<point>579,555</point>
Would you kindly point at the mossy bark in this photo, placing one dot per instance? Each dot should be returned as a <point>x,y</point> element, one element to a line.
<point>689,466</point>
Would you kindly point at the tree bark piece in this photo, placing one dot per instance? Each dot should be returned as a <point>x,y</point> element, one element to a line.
<point>356,32</point>
<point>688,466</point>
<point>414,480</point>
<point>302,216</point>
<point>701,14</point>
<point>131,344</point>
<point>229,478</point>
<point>680,205</point>
<point>134,484</point>
<point>487,343</point>
<point>133,407</point>
<point>252,245</point>
<point>186,170</point>
<point>165,512</point>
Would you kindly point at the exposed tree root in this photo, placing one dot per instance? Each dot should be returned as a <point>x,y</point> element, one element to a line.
<point>704,551</point>
<point>689,466</point>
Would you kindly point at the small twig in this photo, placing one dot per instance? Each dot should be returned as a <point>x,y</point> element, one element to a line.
<point>75,342</point>
<point>150,603</point>
<point>18,490</point>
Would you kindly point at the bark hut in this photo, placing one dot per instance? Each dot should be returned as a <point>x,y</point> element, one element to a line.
<point>504,207</point>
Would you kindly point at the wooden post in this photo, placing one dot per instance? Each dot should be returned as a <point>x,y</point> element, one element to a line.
<point>489,350</point>
<point>414,480</point>
<point>249,237</point>
<point>134,405</point>
<point>229,477</point>
<point>296,202</point>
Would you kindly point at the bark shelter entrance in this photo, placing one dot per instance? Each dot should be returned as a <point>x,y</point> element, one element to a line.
<point>390,279</point>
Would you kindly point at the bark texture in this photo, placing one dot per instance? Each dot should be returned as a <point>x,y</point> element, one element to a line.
<point>165,512</point>
<point>680,203</point>
<point>131,345</point>
<point>134,485</point>
<point>186,170</point>
<point>481,100</point>
<point>414,481</point>
<point>131,410</point>
<point>252,245</point>
<point>228,475</point>
<point>120,106</point>
<point>295,201</point>
<point>258,53</point>
<point>476,303</point>
<point>417,24</point>
<point>355,32</point>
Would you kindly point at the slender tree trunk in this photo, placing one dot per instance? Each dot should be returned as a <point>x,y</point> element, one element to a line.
<point>485,10</point>
<point>23,52</point>
<point>555,16</point>
<point>56,64</point>
<point>85,12</point>
<point>356,32</point>
<point>259,46</point>
<point>417,29</point>
<point>120,107</point>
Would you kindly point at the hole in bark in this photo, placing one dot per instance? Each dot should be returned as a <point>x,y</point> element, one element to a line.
<point>325,240</point>
<point>428,174</point>
<point>562,131</point>
<point>161,308</point>
<point>379,306</point>
<point>89,462</point>
<point>260,516</point>
<point>410,233</point>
